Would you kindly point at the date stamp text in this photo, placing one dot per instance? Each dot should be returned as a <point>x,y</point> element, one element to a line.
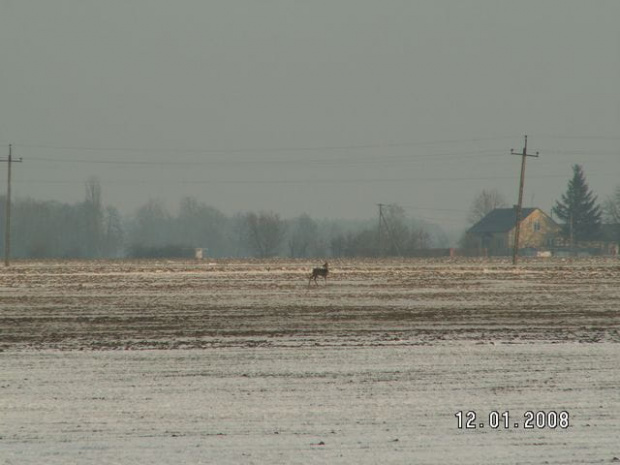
<point>529,420</point>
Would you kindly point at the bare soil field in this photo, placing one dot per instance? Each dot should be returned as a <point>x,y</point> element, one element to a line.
<point>243,362</point>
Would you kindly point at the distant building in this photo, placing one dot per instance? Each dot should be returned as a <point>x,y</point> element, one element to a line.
<point>494,234</point>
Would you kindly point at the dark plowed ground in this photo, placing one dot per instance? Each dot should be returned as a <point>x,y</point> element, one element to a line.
<point>186,304</point>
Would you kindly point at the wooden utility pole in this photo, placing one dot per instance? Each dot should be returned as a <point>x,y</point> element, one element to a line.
<point>7,209</point>
<point>380,205</point>
<point>524,155</point>
<point>388,229</point>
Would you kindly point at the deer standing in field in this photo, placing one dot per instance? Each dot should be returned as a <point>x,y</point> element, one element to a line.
<point>316,272</point>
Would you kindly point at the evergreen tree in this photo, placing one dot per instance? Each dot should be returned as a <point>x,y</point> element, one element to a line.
<point>578,208</point>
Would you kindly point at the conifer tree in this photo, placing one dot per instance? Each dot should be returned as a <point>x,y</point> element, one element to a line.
<point>578,209</point>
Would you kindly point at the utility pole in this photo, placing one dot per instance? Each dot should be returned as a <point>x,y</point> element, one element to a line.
<point>380,205</point>
<point>388,228</point>
<point>7,209</point>
<point>519,206</point>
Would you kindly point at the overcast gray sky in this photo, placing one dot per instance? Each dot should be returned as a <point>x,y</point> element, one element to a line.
<point>326,106</point>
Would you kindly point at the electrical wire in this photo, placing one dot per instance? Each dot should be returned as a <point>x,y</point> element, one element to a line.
<point>263,149</point>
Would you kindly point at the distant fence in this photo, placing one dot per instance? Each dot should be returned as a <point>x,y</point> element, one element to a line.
<point>433,253</point>
<point>448,252</point>
<point>166,251</point>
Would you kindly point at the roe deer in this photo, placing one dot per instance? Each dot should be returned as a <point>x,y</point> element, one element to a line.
<point>316,272</point>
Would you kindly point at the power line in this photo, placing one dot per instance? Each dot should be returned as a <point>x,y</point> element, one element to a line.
<point>385,159</point>
<point>413,207</point>
<point>586,152</point>
<point>306,180</point>
<point>302,148</point>
<point>265,149</point>
<point>410,158</point>
<point>577,137</point>
<point>287,181</point>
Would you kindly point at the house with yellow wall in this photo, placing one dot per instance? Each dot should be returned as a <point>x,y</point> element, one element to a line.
<point>494,234</point>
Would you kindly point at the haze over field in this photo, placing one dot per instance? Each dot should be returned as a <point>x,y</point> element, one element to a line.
<point>320,107</point>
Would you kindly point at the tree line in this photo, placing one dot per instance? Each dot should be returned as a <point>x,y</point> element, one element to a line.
<point>91,229</point>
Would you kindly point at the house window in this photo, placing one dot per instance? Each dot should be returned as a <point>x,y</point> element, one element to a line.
<point>536,225</point>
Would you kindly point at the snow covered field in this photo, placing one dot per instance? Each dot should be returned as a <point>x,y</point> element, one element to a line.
<point>241,362</point>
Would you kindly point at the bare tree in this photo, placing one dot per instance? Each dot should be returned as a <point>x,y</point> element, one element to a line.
<point>485,202</point>
<point>394,221</point>
<point>265,233</point>
<point>199,225</point>
<point>304,238</point>
<point>419,238</point>
<point>152,225</point>
<point>611,207</point>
